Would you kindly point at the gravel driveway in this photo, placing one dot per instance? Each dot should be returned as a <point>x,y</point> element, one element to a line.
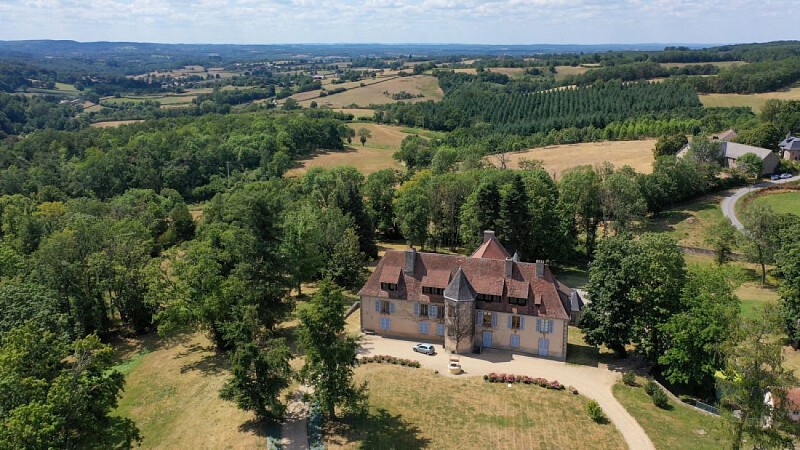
<point>593,382</point>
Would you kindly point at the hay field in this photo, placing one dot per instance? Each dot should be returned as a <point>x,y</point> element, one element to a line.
<point>754,101</point>
<point>374,156</point>
<point>172,392</point>
<point>357,112</point>
<point>720,64</point>
<point>113,123</point>
<point>373,93</point>
<point>512,72</point>
<point>558,158</point>
<point>415,408</point>
<point>563,71</point>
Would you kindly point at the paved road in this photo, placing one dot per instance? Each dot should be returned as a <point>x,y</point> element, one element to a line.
<point>593,382</point>
<point>729,203</point>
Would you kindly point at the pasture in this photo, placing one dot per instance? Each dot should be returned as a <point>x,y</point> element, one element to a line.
<point>373,94</point>
<point>372,157</point>
<point>720,64</point>
<point>558,158</point>
<point>512,72</point>
<point>753,101</point>
<point>564,71</point>
<point>415,408</point>
<point>357,112</point>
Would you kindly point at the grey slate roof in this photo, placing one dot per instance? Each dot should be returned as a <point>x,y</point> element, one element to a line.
<point>460,289</point>
<point>735,151</point>
<point>790,143</point>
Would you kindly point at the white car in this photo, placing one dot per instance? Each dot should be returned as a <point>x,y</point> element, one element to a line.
<point>425,348</point>
<point>786,175</point>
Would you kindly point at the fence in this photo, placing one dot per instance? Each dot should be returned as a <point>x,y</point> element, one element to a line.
<point>700,406</point>
<point>707,408</point>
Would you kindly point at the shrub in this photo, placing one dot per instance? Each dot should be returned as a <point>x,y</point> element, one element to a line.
<point>688,400</point>
<point>486,378</point>
<point>650,387</point>
<point>573,390</point>
<point>629,378</point>
<point>595,412</point>
<point>660,398</point>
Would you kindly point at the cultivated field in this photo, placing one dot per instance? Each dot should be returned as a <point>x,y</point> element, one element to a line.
<point>372,157</point>
<point>754,101</point>
<point>677,427</point>
<point>415,408</point>
<point>172,392</point>
<point>373,94</point>
<point>558,158</point>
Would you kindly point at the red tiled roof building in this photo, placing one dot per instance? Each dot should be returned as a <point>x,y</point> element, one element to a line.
<point>487,300</point>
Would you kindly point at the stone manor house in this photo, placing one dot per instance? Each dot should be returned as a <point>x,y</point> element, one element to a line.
<point>487,300</point>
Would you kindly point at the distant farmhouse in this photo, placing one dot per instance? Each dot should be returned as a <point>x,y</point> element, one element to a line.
<point>732,151</point>
<point>487,300</point>
<point>790,148</point>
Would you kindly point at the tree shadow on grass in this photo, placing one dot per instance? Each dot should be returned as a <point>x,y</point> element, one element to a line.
<point>262,428</point>
<point>209,363</point>
<point>378,429</point>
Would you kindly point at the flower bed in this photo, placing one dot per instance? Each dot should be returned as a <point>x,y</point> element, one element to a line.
<point>524,379</point>
<point>385,359</point>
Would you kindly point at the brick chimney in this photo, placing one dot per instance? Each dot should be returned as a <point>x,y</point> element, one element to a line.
<point>411,259</point>
<point>487,235</point>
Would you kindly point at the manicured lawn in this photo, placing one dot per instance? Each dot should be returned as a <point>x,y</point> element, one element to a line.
<point>415,408</point>
<point>782,202</point>
<point>172,392</point>
<point>679,427</point>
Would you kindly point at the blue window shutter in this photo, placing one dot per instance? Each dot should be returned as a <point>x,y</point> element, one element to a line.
<point>478,315</point>
<point>494,320</point>
<point>378,305</point>
<point>549,326</point>
<point>440,329</point>
<point>509,320</point>
<point>388,323</point>
<point>416,309</point>
<point>391,307</point>
<point>521,323</point>
<point>427,327</point>
<point>421,327</point>
<point>433,310</point>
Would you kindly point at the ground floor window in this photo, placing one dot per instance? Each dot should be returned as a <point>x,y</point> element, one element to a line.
<point>424,327</point>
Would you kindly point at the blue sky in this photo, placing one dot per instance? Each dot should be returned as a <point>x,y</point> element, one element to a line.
<point>397,21</point>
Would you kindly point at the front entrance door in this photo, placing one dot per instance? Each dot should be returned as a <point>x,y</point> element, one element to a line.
<point>487,338</point>
<point>544,343</point>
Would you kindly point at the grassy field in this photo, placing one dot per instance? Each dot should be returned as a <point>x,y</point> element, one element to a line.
<point>781,202</point>
<point>372,157</point>
<point>183,99</point>
<point>172,392</point>
<point>415,408</point>
<point>678,427</point>
<point>688,221</point>
<point>558,158</point>
<point>374,93</point>
<point>754,101</point>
